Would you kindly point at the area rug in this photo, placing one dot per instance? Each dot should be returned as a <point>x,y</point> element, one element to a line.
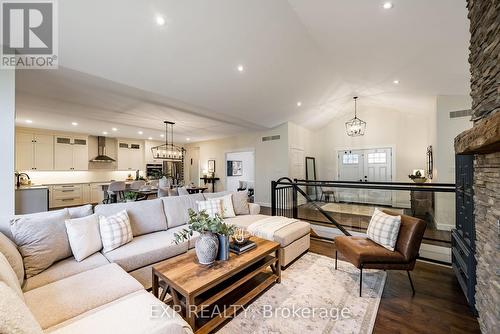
<point>355,209</point>
<point>313,297</point>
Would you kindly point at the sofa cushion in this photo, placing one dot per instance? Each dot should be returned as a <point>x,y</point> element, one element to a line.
<point>284,236</point>
<point>227,205</point>
<point>240,203</point>
<point>42,239</point>
<point>8,276</point>
<point>16,317</point>
<point>176,208</point>
<point>147,249</point>
<point>138,312</point>
<point>145,216</point>
<point>215,195</point>
<point>56,302</point>
<point>84,236</point>
<point>115,231</point>
<point>80,211</point>
<point>9,249</point>
<point>64,268</point>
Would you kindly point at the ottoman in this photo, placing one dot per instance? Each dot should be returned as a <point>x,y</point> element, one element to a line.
<point>294,238</point>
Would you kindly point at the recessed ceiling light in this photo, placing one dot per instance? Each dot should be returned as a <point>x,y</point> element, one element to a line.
<point>29,121</point>
<point>150,138</point>
<point>74,123</point>
<point>388,5</point>
<point>299,104</point>
<point>160,20</point>
<point>104,132</point>
<point>188,139</point>
<point>162,135</point>
<point>114,129</point>
<point>240,68</point>
<point>395,82</point>
<point>140,132</point>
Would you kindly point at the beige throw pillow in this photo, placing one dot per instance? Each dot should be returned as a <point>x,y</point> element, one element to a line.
<point>84,236</point>
<point>115,231</point>
<point>240,203</point>
<point>227,205</point>
<point>9,249</point>
<point>16,317</point>
<point>212,207</point>
<point>41,239</point>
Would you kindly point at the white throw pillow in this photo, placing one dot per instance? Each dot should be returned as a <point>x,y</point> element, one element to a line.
<point>227,205</point>
<point>115,231</point>
<point>384,229</point>
<point>84,237</point>
<point>211,207</point>
<point>16,317</point>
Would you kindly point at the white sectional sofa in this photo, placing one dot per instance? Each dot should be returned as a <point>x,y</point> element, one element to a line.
<point>106,292</point>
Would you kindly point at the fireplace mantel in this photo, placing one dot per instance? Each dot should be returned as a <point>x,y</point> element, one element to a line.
<point>483,138</point>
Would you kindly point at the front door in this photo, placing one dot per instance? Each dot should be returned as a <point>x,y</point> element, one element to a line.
<point>366,165</point>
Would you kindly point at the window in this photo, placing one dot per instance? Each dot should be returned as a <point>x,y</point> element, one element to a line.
<point>350,159</point>
<point>377,158</point>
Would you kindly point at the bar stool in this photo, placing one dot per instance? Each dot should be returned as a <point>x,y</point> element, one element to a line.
<point>116,190</point>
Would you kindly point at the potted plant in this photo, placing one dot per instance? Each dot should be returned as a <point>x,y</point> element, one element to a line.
<point>207,245</point>
<point>417,177</point>
<point>130,196</point>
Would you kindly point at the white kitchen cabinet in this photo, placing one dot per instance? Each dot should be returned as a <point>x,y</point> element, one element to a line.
<point>34,151</point>
<point>96,192</point>
<point>67,195</point>
<point>130,155</point>
<point>71,153</point>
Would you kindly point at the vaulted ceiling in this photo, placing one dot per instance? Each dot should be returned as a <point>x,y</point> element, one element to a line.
<point>118,66</point>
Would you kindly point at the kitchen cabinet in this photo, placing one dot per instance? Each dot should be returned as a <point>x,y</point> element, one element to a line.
<point>130,155</point>
<point>34,151</point>
<point>71,153</point>
<point>67,195</point>
<point>96,193</point>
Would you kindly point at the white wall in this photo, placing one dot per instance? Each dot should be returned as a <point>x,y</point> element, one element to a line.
<point>271,158</point>
<point>444,153</point>
<point>247,159</point>
<point>7,139</point>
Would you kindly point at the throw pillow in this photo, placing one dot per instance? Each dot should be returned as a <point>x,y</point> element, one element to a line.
<point>84,237</point>
<point>227,205</point>
<point>115,231</point>
<point>41,239</point>
<point>16,317</point>
<point>211,207</point>
<point>240,203</point>
<point>80,211</point>
<point>9,249</point>
<point>9,277</point>
<point>384,229</point>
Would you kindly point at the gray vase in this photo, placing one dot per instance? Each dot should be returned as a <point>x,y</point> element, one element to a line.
<point>206,247</point>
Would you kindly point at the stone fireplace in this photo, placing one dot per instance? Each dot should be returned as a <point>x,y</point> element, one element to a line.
<point>483,142</point>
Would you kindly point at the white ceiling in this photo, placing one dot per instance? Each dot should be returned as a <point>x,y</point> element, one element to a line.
<point>119,67</point>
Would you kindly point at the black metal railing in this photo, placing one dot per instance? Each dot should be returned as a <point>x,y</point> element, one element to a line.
<point>285,198</point>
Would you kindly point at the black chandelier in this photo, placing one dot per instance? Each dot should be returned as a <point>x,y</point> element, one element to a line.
<point>168,151</point>
<point>355,127</point>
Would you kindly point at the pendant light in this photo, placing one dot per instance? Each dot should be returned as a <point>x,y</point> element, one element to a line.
<point>355,127</point>
<point>168,151</point>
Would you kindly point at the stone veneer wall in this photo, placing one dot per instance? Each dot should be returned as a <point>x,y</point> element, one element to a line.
<point>483,140</point>
<point>484,49</point>
<point>486,215</point>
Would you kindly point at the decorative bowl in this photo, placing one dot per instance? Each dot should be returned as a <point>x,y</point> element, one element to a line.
<point>241,236</point>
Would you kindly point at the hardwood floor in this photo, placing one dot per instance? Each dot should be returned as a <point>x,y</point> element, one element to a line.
<point>438,306</point>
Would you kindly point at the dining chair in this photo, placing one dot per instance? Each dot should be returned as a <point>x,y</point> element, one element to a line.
<point>137,185</point>
<point>182,191</point>
<point>116,190</point>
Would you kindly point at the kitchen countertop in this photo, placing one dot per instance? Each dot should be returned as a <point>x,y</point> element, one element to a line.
<point>64,183</point>
<point>33,187</point>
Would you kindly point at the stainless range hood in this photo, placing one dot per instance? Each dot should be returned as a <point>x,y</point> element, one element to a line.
<point>101,151</point>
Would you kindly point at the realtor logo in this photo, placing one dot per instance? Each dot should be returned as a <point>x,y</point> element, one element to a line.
<point>29,34</point>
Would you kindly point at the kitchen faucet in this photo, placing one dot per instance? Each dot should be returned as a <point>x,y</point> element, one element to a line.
<point>18,178</point>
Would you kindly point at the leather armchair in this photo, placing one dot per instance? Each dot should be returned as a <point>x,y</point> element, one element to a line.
<point>366,254</point>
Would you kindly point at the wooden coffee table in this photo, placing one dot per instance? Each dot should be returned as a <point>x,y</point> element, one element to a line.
<point>196,289</point>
